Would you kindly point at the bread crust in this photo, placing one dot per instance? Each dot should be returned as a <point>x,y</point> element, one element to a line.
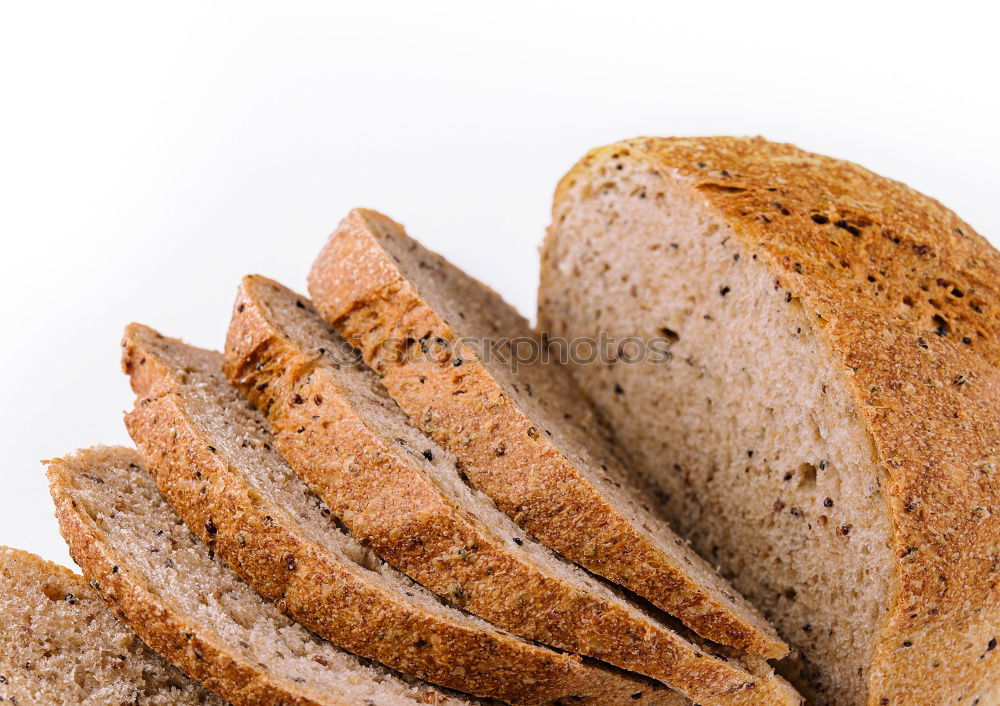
<point>170,633</point>
<point>397,510</point>
<point>324,592</point>
<point>357,287</point>
<point>923,374</point>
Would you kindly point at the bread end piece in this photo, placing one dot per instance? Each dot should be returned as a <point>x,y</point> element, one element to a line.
<point>752,255</point>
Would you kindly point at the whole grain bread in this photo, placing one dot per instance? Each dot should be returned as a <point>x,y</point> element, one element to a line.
<point>829,427</point>
<point>402,494</point>
<point>452,355</point>
<point>61,645</point>
<point>212,457</point>
<point>169,587</point>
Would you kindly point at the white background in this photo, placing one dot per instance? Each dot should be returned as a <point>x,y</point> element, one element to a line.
<point>150,157</point>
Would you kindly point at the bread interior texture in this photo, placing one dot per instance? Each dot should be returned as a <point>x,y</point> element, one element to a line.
<point>749,431</point>
<point>62,646</point>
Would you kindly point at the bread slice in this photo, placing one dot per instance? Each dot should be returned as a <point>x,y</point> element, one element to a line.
<point>168,586</point>
<point>402,495</point>
<point>209,452</point>
<point>519,428</point>
<point>62,646</point>
<point>829,427</point>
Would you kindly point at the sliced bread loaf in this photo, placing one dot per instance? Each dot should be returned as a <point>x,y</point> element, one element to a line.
<point>403,496</point>
<point>829,427</point>
<point>168,586</point>
<point>61,645</point>
<point>468,371</point>
<point>211,455</point>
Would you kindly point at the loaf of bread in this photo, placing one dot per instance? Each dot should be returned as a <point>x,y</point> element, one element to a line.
<point>443,345</point>
<point>213,458</point>
<point>171,589</point>
<point>759,373</point>
<point>828,429</point>
<point>59,644</point>
<point>403,496</point>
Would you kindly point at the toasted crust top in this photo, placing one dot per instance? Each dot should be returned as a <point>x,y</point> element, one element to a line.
<point>906,295</point>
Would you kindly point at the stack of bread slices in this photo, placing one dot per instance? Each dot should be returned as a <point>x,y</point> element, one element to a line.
<point>375,497</point>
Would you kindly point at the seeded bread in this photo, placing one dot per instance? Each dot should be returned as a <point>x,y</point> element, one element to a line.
<point>401,494</point>
<point>829,427</point>
<point>211,455</point>
<point>168,586</point>
<point>62,646</point>
<point>525,438</point>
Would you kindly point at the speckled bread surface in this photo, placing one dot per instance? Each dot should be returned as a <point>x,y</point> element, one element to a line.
<point>212,456</point>
<point>828,430</point>
<point>61,645</point>
<point>527,439</point>
<point>170,588</point>
<point>403,496</point>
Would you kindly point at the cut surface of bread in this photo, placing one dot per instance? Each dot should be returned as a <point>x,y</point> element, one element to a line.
<point>453,356</point>
<point>212,456</point>
<point>403,495</point>
<point>169,587</point>
<point>61,645</point>
<point>827,429</point>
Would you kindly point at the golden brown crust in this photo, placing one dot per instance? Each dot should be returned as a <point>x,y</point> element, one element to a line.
<point>359,288</point>
<point>398,511</point>
<point>907,296</point>
<point>173,635</point>
<point>324,592</point>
